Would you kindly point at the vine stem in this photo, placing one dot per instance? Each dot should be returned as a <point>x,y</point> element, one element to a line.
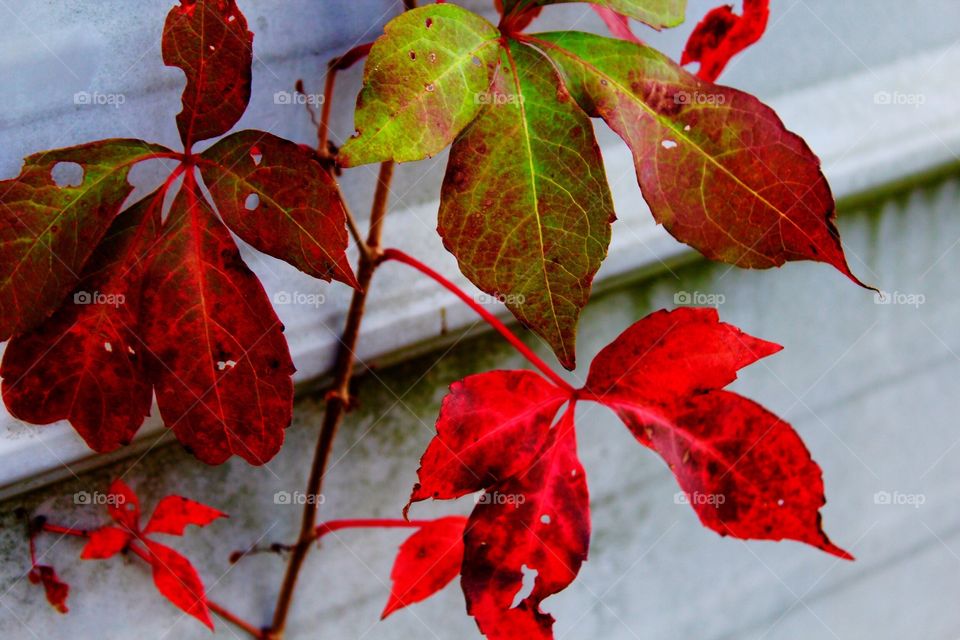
<point>492,320</point>
<point>337,402</point>
<point>144,555</point>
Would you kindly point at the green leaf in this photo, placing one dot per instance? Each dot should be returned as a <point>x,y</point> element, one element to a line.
<point>717,167</point>
<point>277,197</point>
<point>52,216</point>
<point>422,83</point>
<point>525,205</point>
<point>656,13</point>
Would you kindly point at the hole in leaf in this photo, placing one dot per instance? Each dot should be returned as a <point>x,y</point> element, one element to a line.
<point>256,155</point>
<point>477,62</point>
<point>545,518</point>
<point>67,174</point>
<point>429,87</point>
<point>432,57</point>
<point>108,347</point>
<point>529,581</point>
<point>212,48</point>
<point>252,202</point>
<point>231,18</point>
<point>668,144</point>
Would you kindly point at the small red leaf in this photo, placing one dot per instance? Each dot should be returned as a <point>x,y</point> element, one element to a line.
<point>174,513</point>
<point>547,531</point>
<point>56,590</point>
<point>106,542</point>
<point>481,418</point>
<point>123,505</point>
<point>427,562</point>
<point>722,34</point>
<point>176,579</point>
<point>86,364</point>
<point>221,367</point>
<point>277,197</point>
<point>746,472</point>
<point>209,41</point>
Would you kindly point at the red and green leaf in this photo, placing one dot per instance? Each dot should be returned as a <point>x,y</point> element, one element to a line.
<point>428,561</point>
<point>220,365</point>
<point>548,532</point>
<point>656,13</point>
<point>746,471</point>
<point>716,166</point>
<point>209,41</point>
<point>723,34</point>
<point>423,83</point>
<point>86,363</point>
<point>277,197</point>
<point>525,205</point>
<point>482,417</point>
<point>52,217</point>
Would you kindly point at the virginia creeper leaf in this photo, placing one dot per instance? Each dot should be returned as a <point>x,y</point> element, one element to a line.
<point>86,363</point>
<point>278,198</point>
<point>482,417</point>
<point>424,81</point>
<point>56,589</point>
<point>427,562</point>
<point>722,34</point>
<point>52,216</point>
<point>656,13</point>
<point>176,579</point>
<point>174,513</point>
<point>209,41</point>
<point>525,205</point>
<point>547,532</point>
<point>746,472</point>
<point>123,505</point>
<point>106,542</point>
<point>223,371</point>
<point>716,166</point>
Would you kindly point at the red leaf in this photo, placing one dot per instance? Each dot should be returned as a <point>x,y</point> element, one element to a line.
<point>427,562</point>
<point>174,513</point>
<point>277,197</point>
<point>56,590</point>
<point>176,579</point>
<point>106,542</point>
<point>617,23</point>
<point>722,34</point>
<point>481,418</point>
<point>123,505</point>
<point>547,532</point>
<point>209,41</point>
<point>754,196</point>
<point>746,472</point>
<point>223,371</point>
<point>52,216</point>
<point>86,363</point>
